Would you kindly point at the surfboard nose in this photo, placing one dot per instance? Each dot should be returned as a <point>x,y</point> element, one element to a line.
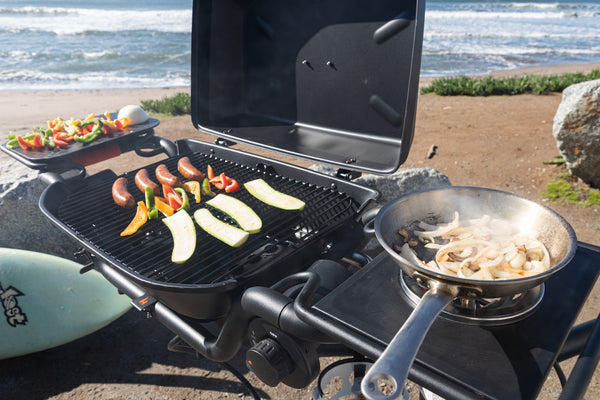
<point>47,302</point>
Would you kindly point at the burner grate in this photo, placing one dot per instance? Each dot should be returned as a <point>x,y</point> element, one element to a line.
<point>483,312</point>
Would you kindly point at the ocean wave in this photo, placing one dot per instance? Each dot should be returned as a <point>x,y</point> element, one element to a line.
<point>32,79</point>
<point>508,15</point>
<point>495,34</point>
<point>68,21</point>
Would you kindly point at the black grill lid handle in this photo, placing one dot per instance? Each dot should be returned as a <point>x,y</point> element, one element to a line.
<point>60,171</point>
<point>154,145</point>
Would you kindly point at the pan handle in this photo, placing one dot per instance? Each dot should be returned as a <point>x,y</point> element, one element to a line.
<point>368,219</point>
<point>395,361</point>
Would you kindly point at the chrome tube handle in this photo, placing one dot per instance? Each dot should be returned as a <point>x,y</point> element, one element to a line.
<point>394,363</point>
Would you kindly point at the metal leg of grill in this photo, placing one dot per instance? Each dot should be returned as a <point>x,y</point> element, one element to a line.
<point>221,348</point>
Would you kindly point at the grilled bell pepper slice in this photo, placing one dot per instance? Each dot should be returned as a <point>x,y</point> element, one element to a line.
<point>93,134</point>
<point>185,202</point>
<point>87,138</point>
<point>58,140</point>
<point>194,188</point>
<point>220,181</point>
<point>172,197</point>
<point>13,143</point>
<point>209,172</point>
<point>141,216</point>
<point>206,188</point>
<point>232,186</point>
<point>33,142</point>
<point>150,203</point>
<point>163,207</point>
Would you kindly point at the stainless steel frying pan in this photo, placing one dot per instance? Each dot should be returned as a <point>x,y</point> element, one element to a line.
<point>439,205</point>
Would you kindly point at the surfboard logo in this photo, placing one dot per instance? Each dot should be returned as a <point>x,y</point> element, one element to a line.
<point>12,311</point>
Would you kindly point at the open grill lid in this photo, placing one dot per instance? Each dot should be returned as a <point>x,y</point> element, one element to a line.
<point>335,82</point>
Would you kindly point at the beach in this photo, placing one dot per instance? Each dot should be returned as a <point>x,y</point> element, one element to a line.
<point>498,142</point>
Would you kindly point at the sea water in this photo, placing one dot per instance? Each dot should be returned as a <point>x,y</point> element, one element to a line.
<point>93,44</point>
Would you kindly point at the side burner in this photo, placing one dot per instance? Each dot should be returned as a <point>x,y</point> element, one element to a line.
<point>484,312</point>
<point>455,358</point>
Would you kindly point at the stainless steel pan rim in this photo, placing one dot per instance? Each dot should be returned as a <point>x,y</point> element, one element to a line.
<point>439,204</point>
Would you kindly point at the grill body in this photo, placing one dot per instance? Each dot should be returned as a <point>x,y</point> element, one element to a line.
<point>203,286</point>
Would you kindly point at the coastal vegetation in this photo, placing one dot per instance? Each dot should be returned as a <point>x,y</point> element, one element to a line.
<point>489,86</point>
<point>567,189</point>
<point>178,104</point>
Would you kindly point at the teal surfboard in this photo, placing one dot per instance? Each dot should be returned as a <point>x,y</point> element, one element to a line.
<point>46,302</point>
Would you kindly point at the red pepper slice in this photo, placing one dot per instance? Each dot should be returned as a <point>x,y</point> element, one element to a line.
<point>37,141</point>
<point>25,144</point>
<point>209,172</point>
<point>232,186</point>
<point>220,182</point>
<point>172,197</point>
<point>57,138</point>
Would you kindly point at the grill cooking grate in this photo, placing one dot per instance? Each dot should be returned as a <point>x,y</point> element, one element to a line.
<point>91,213</point>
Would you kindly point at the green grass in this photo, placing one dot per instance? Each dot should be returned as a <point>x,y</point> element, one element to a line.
<point>488,86</point>
<point>179,104</point>
<point>566,189</point>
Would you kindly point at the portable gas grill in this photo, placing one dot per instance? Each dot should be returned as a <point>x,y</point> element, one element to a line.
<point>336,83</point>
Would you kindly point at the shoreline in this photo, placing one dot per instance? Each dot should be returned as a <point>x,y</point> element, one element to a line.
<point>28,108</point>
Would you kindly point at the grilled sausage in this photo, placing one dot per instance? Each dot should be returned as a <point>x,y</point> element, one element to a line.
<point>186,169</point>
<point>165,177</point>
<point>121,195</point>
<point>142,179</point>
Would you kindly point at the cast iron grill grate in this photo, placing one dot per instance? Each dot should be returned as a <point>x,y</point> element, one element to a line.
<point>93,216</point>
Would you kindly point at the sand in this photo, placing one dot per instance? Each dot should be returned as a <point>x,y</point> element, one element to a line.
<point>497,142</point>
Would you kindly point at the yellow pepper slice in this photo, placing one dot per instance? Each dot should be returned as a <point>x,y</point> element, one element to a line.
<point>194,188</point>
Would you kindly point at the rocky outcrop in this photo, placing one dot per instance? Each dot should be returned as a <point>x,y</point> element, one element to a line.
<point>24,226</point>
<point>392,186</point>
<point>404,181</point>
<point>398,183</point>
<point>577,130</point>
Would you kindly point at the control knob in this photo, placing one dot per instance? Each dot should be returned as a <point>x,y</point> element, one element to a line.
<point>269,361</point>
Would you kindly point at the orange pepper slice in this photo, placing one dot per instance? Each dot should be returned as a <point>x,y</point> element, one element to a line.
<point>141,216</point>
<point>163,207</point>
<point>194,188</point>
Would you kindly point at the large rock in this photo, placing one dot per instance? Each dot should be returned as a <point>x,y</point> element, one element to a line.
<point>24,226</point>
<point>404,181</point>
<point>577,130</point>
<point>398,183</point>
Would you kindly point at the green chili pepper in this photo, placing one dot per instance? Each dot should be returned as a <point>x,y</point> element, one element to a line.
<point>11,136</point>
<point>206,188</point>
<point>150,205</point>
<point>185,202</point>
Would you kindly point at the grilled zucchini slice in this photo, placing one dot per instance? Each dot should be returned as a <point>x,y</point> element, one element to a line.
<point>183,231</point>
<point>243,215</point>
<point>226,233</point>
<point>265,193</point>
